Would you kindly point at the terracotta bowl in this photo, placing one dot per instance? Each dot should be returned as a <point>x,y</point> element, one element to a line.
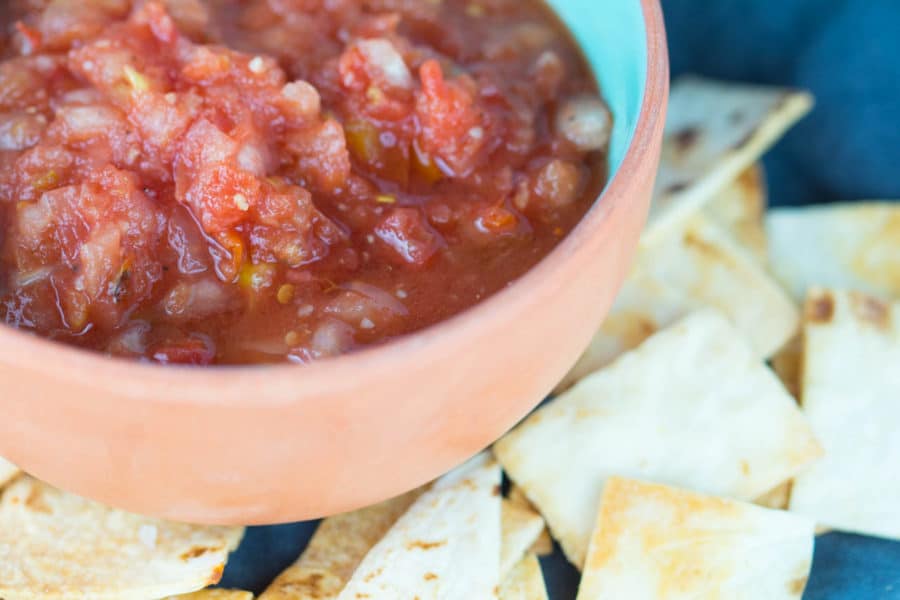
<point>254,445</point>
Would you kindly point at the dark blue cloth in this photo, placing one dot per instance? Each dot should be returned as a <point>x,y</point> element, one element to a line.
<point>848,53</point>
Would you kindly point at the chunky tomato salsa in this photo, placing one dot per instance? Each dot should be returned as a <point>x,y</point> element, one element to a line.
<point>227,181</point>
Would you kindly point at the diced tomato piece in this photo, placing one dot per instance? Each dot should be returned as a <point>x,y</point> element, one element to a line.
<point>451,122</point>
<point>98,240</point>
<point>374,62</point>
<point>291,229</point>
<point>406,232</point>
<point>194,350</point>
<point>221,196</point>
<point>322,156</point>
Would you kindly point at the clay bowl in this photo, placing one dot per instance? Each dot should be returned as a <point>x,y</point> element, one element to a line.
<point>253,445</point>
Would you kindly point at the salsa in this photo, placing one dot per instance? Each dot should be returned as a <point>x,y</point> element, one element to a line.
<point>225,181</point>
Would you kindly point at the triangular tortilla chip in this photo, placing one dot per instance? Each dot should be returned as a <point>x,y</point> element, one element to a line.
<point>214,594</point>
<point>692,406</point>
<point>788,365</point>
<point>58,545</point>
<point>525,581</point>
<point>740,209</point>
<point>851,394</point>
<point>446,546</point>
<point>335,551</point>
<point>710,269</point>
<point>699,265</point>
<point>714,131</point>
<point>520,527</point>
<point>653,542</point>
<point>7,471</point>
<point>778,498</point>
<point>854,246</point>
<point>543,545</point>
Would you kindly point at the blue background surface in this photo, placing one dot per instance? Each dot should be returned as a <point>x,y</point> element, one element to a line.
<point>848,53</point>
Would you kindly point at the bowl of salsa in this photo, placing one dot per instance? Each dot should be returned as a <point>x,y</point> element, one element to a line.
<point>269,260</point>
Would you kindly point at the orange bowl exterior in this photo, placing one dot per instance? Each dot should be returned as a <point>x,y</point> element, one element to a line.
<point>254,445</point>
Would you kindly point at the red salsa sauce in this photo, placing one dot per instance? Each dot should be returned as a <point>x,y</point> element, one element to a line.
<point>224,182</point>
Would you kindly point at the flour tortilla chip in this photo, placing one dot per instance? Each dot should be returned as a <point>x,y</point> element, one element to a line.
<point>852,246</point>
<point>851,395</point>
<point>7,471</point>
<point>336,550</point>
<point>740,209</point>
<point>214,594</point>
<point>698,265</point>
<point>58,545</point>
<point>446,546</point>
<point>654,542</point>
<point>788,365</point>
<point>714,131</point>
<point>520,527</point>
<point>710,269</point>
<point>543,545</point>
<point>778,498</point>
<point>525,582</point>
<point>692,406</point>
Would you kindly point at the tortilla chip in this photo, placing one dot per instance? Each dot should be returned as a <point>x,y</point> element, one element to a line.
<point>740,209</point>
<point>447,545</point>
<point>851,394</point>
<point>710,269</point>
<point>699,266</point>
<point>520,527</point>
<point>214,594</point>
<point>715,131</point>
<point>654,542</point>
<point>854,246</point>
<point>778,498</point>
<point>788,365</point>
<point>7,471</point>
<point>543,545</point>
<point>692,406</point>
<point>525,582</point>
<point>58,545</point>
<point>336,550</point>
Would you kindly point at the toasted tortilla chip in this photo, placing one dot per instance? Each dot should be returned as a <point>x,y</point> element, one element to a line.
<point>58,545</point>
<point>214,594</point>
<point>740,209</point>
<point>778,498</point>
<point>854,246</point>
<point>525,581</point>
<point>520,527</point>
<point>543,545</point>
<point>710,269</point>
<point>697,266</point>
<point>7,471</point>
<point>692,406</point>
<point>446,546</point>
<point>788,365</point>
<point>653,542</point>
<point>715,131</point>
<point>851,394</point>
<point>336,550</point>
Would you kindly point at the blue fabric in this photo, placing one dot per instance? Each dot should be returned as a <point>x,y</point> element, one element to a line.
<point>848,53</point>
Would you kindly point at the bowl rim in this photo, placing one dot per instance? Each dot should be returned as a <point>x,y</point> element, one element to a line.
<point>165,383</point>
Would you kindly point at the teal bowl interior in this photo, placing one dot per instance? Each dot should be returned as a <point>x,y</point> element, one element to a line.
<point>613,37</point>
